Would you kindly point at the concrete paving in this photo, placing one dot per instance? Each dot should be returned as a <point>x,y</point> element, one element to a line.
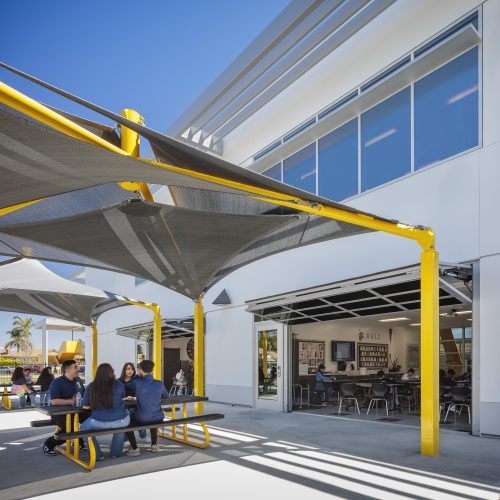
<point>256,453</point>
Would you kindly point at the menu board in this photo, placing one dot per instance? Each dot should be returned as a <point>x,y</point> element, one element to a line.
<point>373,355</point>
<point>311,353</point>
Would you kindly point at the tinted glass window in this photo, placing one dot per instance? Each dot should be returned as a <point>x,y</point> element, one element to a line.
<point>274,172</point>
<point>446,110</point>
<point>385,141</point>
<point>299,170</point>
<point>338,162</point>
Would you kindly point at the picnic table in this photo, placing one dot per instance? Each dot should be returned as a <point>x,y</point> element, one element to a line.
<point>73,433</point>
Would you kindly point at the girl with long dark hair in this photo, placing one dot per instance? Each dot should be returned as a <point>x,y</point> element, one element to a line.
<point>104,396</point>
<point>128,378</point>
<point>19,386</point>
<point>44,380</point>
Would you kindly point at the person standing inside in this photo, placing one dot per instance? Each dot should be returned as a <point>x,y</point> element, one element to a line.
<point>104,396</point>
<point>63,391</point>
<point>320,384</point>
<point>149,393</point>
<point>44,381</point>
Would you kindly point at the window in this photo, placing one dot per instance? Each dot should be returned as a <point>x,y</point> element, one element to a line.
<point>274,172</point>
<point>446,110</point>
<point>338,162</point>
<point>299,170</point>
<point>385,141</point>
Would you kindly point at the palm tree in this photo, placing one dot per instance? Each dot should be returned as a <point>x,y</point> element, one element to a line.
<point>21,334</point>
<point>15,341</point>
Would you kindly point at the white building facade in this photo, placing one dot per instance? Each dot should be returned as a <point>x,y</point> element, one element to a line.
<point>388,106</point>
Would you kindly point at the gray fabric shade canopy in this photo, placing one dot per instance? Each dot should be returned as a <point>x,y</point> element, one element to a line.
<point>166,149</point>
<point>213,229</point>
<point>185,250</point>
<point>27,286</point>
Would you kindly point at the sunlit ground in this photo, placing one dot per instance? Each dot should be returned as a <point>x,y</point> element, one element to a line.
<point>241,465</point>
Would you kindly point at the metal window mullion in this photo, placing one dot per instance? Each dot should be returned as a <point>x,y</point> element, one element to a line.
<point>412,127</point>
<point>317,166</point>
<point>359,154</point>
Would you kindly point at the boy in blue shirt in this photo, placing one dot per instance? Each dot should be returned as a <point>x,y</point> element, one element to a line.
<point>63,391</point>
<point>149,394</point>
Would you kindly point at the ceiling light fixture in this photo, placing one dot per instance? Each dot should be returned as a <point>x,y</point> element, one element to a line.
<point>392,319</point>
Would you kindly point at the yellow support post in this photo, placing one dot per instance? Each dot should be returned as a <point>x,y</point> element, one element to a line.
<point>130,143</point>
<point>157,343</point>
<point>429,339</point>
<point>6,401</point>
<point>94,348</point>
<point>199,354</point>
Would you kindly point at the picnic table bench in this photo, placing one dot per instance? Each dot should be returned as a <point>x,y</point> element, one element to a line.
<point>73,433</point>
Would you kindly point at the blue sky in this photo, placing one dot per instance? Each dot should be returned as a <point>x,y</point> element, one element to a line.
<point>155,56</point>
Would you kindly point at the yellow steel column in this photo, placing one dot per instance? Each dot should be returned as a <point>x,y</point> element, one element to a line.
<point>94,348</point>
<point>157,343</point>
<point>130,142</point>
<point>199,354</point>
<point>429,339</point>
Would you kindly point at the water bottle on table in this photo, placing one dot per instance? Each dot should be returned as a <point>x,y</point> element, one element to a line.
<point>78,400</point>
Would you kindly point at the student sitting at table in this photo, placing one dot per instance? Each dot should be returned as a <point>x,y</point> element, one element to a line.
<point>44,381</point>
<point>29,384</point>
<point>128,379</point>
<point>320,384</point>
<point>104,396</point>
<point>20,386</point>
<point>149,393</point>
<point>62,392</point>
<point>409,375</point>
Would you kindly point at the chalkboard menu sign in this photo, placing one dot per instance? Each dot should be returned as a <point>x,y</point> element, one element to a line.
<point>373,355</point>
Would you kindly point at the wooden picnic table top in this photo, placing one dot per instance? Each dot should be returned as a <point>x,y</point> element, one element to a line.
<point>65,409</point>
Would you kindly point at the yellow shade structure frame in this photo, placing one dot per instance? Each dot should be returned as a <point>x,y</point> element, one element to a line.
<point>157,342</point>
<point>424,236</point>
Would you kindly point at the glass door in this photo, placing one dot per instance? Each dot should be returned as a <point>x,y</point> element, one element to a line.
<point>269,380</point>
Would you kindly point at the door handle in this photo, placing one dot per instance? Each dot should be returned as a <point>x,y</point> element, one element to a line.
<point>279,371</point>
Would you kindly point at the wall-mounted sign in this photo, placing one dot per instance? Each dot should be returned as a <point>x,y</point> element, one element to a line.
<point>369,336</point>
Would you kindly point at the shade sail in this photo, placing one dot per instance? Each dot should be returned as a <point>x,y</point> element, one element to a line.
<point>40,162</point>
<point>26,286</point>
<point>186,250</point>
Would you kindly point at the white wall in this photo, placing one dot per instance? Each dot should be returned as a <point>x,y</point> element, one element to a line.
<point>349,331</point>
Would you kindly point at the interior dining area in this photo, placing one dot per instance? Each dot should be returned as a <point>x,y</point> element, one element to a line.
<point>355,349</point>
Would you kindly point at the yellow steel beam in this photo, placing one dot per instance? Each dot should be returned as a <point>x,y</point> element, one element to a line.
<point>199,354</point>
<point>157,342</point>
<point>13,208</point>
<point>429,339</point>
<point>94,348</point>
<point>130,143</point>
<point>41,113</point>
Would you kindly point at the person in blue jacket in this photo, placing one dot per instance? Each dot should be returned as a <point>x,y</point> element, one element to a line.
<point>104,396</point>
<point>320,383</point>
<point>149,394</point>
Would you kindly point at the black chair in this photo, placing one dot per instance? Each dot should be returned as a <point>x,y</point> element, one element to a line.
<point>460,397</point>
<point>348,392</point>
<point>380,392</point>
<point>407,392</point>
